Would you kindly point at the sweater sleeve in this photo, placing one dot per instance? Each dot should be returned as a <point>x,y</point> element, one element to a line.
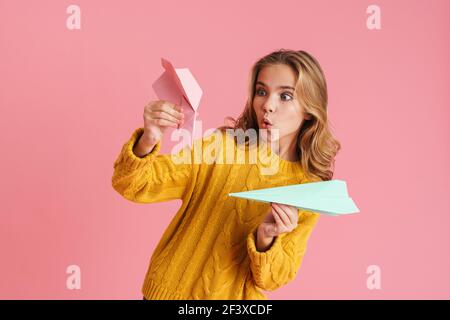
<point>278,265</point>
<point>154,177</point>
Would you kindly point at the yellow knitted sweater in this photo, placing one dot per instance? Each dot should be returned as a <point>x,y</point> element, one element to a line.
<point>208,250</point>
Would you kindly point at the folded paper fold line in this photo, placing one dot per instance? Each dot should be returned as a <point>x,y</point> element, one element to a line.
<point>326,197</point>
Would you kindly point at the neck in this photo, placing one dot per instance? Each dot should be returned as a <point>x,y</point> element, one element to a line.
<point>287,149</point>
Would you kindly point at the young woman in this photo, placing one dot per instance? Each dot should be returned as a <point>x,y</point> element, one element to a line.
<point>222,247</point>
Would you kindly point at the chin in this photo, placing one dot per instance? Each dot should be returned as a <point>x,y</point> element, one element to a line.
<point>267,135</point>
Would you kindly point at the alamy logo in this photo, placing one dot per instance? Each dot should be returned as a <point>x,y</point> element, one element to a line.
<point>374,279</point>
<point>373,21</point>
<point>73,281</point>
<point>74,20</point>
<point>214,144</point>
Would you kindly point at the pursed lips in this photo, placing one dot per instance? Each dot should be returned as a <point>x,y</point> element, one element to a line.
<point>266,124</point>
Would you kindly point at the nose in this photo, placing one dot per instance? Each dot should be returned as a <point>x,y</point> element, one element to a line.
<point>268,107</point>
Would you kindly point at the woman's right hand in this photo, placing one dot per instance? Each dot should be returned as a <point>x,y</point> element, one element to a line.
<point>158,116</point>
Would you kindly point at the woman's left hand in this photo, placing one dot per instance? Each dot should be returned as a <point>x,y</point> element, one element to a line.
<point>282,218</point>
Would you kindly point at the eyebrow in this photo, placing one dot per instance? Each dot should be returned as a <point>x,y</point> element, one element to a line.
<point>280,87</point>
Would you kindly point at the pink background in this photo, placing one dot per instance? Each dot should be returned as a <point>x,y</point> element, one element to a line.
<point>70,99</point>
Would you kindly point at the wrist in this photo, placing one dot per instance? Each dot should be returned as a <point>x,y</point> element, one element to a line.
<point>147,140</point>
<point>144,145</point>
<point>263,242</point>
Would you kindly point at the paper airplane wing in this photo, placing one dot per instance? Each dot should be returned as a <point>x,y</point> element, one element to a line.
<point>191,89</point>
<point>332,188</point>
<point>185,82</point>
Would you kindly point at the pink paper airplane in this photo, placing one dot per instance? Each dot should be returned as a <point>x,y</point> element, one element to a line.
<point>178,86</point>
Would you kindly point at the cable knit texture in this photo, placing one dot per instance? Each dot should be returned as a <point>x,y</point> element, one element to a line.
<point>208,251</point>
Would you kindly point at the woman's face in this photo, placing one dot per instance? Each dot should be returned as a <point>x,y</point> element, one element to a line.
<point>276,102</point>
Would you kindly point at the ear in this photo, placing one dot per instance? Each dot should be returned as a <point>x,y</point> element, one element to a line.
<point>307,116</point>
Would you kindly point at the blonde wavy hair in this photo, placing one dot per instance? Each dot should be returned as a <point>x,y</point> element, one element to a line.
<point>316,146</point>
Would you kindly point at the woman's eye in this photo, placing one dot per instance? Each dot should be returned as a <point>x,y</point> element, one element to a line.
<point>286,95</point>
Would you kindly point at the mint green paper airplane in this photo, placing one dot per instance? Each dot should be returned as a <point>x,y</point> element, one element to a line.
<point>326,197</point>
